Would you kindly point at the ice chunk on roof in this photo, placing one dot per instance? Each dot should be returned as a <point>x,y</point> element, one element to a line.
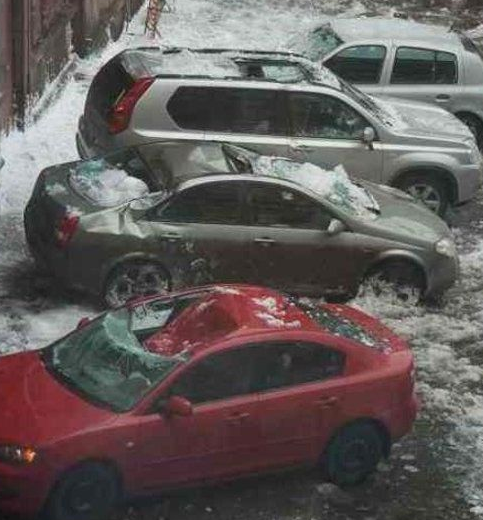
<point>104,185</point>
<point>333,185</point>
<point>186,62</point>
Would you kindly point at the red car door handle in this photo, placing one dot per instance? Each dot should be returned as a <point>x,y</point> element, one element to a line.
<point>264,241</point>
<point>327,401</point>
<point>237,418</point>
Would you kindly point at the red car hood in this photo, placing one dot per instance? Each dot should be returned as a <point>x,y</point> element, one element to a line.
<point>36,408</point>
<point>385,338</point>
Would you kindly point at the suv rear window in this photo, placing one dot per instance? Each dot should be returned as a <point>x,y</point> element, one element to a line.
<point>110,83</point>
<point>231,110</point>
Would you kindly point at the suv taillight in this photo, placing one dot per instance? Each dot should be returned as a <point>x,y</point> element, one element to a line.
<point>121,112</point>
<point>66,229</point>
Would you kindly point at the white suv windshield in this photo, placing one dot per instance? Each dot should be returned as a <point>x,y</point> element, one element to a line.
<point>316,44</point>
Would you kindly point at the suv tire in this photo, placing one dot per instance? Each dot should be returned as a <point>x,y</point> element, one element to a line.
<point>428,189</point>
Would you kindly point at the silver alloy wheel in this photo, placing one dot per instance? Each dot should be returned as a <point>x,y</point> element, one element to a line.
<point>133,280</point>
<point>425,194</point>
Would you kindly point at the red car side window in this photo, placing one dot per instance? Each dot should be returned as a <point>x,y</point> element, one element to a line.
<point>219,376</point>
<point>289,364</point>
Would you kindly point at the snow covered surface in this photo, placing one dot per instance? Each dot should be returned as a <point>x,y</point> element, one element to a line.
<point>333,185</point>
<point>447,342</point>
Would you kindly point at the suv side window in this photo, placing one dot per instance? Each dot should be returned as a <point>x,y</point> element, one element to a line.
<point>246,111</point>
<point>283,364</point>
<point>359,64</point>
<point>424,67</point>
<point>216,203</point>
<point>219,376</point>
<point>230,110</point>
<point>274,206</point>
<point>190,107</point>
<point>318,115</point>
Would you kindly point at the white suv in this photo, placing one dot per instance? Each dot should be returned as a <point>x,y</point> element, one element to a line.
<point>404,59</point>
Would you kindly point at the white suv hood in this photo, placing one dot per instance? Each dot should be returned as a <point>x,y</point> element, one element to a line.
<point>412,117</point>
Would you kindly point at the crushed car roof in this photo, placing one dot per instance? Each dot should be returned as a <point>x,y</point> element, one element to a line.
<point>228,310</point>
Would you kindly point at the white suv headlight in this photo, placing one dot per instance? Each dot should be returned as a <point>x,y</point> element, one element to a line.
<point>446,247</point>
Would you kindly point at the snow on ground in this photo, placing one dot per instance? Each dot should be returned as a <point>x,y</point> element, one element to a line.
<point>447,341</point>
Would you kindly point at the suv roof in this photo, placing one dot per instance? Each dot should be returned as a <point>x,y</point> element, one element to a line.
<point>219,63</point>
<point>350,29</point>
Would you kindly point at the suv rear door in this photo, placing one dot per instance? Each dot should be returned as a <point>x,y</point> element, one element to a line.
<point>327,131</point>
<point>246,116</point>
<point>425,74</point>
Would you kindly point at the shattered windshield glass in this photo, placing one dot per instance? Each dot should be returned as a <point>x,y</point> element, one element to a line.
<point>106,363</point>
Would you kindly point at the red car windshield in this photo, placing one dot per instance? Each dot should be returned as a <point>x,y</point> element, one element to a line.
<point>106,363</point>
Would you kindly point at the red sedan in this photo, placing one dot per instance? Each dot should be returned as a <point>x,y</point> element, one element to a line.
<point>198,387</point>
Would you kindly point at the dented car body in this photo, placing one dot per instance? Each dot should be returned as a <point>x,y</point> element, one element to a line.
<point>200,386</point>
<point>287,225</point>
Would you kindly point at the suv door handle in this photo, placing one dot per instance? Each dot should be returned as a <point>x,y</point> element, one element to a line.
<point>171,236</point>
<point>264,241</point>
<point>327,402</point>
<point>441,98</point>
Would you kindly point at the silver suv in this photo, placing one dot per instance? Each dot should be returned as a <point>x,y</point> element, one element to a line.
<point>404,59</point>
<point>414,146</point>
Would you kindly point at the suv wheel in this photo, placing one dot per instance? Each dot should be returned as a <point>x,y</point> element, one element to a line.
<point>353,454</point>
<point>426,189</point>
<point>402,278</point>
<point>475,124</point>
<point>88,492</point>
<point>133,279</point>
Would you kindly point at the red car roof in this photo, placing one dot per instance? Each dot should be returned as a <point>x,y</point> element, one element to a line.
<point>228,310</point>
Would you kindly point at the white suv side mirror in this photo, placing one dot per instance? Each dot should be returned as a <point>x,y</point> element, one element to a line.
<point>335,227</point>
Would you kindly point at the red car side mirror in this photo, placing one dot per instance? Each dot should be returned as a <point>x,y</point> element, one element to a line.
<point>83,322</point>
<point>178,405</point>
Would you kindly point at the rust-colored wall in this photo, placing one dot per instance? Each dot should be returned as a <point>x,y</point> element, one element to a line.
<point>6,66</point>
<point>36,39</point>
